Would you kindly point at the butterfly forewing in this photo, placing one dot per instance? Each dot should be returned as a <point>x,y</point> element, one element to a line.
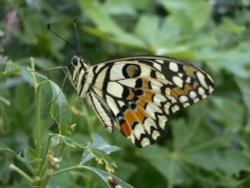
<point>140,93</point>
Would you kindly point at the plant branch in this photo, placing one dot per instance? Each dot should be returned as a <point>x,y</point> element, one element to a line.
<point>21,173</point>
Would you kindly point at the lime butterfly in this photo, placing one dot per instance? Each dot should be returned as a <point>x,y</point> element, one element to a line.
<point>139,94</point>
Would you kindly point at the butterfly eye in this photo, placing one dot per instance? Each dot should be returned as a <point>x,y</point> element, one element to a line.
<point>74,61</point>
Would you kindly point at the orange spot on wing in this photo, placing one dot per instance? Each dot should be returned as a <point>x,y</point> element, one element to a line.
<point>131,94</point>
<point>145,84</point>
<point>144,99</point>
<point>147,95</point>
<point>125,129</point>
<point>141,114</point>
<point>129,117</point>
<point>177,92</point>
<point>187,88</point>
<point>141,103</point>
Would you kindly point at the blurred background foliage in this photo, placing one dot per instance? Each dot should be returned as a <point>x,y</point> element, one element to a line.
<point>207,145</point>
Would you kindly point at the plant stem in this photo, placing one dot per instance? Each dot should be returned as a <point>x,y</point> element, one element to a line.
<point>42,166</point>
<point>37,88</point>
<point>21,173</point>
<point>38,122</point>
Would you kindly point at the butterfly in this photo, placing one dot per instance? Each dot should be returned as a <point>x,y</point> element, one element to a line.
<point>139,94</point>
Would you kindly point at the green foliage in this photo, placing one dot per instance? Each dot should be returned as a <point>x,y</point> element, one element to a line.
<point>48,137</point>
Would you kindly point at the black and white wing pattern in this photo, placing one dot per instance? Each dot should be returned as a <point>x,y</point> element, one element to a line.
<point>139,94</point>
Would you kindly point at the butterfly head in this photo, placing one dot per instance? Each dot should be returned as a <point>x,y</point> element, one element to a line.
<point>79,70</point>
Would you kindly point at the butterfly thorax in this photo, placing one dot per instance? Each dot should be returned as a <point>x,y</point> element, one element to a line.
<point>79,75</point>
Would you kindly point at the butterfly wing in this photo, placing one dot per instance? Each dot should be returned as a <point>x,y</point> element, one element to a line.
<point>103,111</point>
<point>139,94</point>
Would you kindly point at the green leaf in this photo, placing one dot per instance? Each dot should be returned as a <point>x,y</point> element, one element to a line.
<point>6,149</point>
<point>106,177</point>
<point>173,164</point>
<point>95,12</point>
<point>175,28</point>
<point>59,108</point>
<point>192,146</point>
<point>222,113</point>
<point>29,156</point>
<point>147,29</point>
<point>230,26</point>
<point>244,85</point>
<point>11,69</point>
<point>186,132</point>
<point>230,162</point>
<point>165,36</point>
<point>57,139</point>
<point>99,143</point>
<point>234,60</point>
<point>106,27</point>
<point>121,7</point>
<point>99,150</point>
<point>197,10</point>
<point>166,162</point>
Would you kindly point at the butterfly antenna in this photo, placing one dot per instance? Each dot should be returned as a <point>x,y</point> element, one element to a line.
<point>60,37</point>
<point>77,35</point>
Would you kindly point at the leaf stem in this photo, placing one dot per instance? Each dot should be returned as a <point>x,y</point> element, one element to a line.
<point>21,173</point>
<point>76,167</point>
